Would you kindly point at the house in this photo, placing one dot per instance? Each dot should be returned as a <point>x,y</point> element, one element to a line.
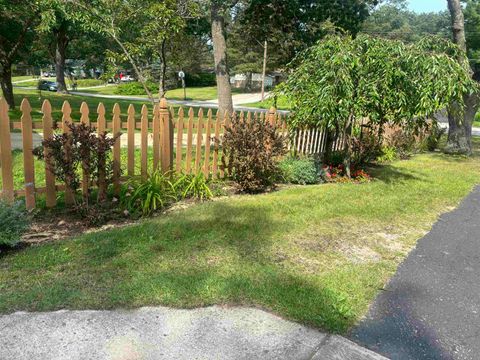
<point>240,81</point>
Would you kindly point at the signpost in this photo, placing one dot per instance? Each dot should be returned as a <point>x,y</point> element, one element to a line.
<point>181,75</point>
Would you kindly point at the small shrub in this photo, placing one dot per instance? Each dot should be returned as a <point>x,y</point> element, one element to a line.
<point>301,171</point>
<point>193,186</point>
<point>87,151</point>
<point>253,149</point>
<point>14,222</point>
<point>365,149</point>
<point>389,154</point>
<point>150,195</point>
<point>403,141</point>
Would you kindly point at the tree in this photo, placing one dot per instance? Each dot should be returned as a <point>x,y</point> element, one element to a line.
<point>344,79</point>
<point>461,114</point>
<point>394,20</point>
<point>217,20</point>
<point>150,23</point>
<point>19,18</point>
<point>291,26</point>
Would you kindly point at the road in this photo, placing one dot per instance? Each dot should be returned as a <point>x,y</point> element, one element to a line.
<point>431,307</point>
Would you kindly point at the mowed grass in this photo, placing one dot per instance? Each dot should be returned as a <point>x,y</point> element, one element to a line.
<point>281,104</point>
<point>201,93</point>
<point>36,99</point>
<point>314,254</point>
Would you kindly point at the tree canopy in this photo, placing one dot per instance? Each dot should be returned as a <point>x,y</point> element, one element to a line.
<point>343,79</point>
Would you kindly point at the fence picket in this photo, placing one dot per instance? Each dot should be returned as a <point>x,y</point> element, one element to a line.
<point>189,140</point>
<point>216,145</point>
<point>6,153</point>
<point>178,154</point>
<point>101,128</point>
<point>198,152</point>
<point>28,166</point>
<point>66,121</point>
<point>156,137</point>
<point>144,142</point>
<point>166,136</point>
<point>51,197</point>
<point>208,142</point>
<point>85,119</point>
<point>116,130</point>
<point>131,140</point>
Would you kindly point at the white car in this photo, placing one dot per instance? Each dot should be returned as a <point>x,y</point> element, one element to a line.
<point>127,78</point>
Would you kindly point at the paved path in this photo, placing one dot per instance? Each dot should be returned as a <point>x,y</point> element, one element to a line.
<point>163,333</point>
<point>431,307</point>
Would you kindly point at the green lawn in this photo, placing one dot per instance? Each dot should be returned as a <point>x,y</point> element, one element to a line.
<point>193,93</point>
<point>21,78</point>
<point>476,123</point>
<point>282,104</point>
<point>75,101</point>
<point>316,254</point>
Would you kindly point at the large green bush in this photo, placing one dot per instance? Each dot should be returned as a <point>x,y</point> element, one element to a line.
<point>301,171</point>
<point>135,88</point>
<point>13,223</point>
<point>200,79</point>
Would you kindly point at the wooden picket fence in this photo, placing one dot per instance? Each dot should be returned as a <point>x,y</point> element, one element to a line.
<point>184,142</point>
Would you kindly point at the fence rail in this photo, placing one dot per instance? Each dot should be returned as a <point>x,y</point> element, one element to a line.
<point>182,141</point>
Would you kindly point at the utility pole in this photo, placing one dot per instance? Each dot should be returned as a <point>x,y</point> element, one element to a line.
<point>264,69</point>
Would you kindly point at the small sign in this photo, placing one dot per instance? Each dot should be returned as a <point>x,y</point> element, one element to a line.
<point>181,74</point>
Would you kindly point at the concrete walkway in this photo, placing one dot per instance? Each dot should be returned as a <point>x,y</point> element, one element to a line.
<point>163,333</point>
<point>431,307</point>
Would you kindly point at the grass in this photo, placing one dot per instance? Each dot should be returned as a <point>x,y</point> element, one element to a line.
<point>316,254</point>
<point>193,93</point>
<point>282,104</point>
<point>36,99</point>
<point>80,82</point>
<point>39,165</point>
<point>21,78</point>
<point>476,123</point>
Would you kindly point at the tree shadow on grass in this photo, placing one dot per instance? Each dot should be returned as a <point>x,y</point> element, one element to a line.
<point>216,253</point>
<point>392,175</point>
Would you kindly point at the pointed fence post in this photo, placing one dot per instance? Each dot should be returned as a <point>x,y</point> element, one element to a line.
<point>272,115</point>
<point>66,121</point>
<point>85,119</point>
<point>6,153</point>
<point>101,127</point>
<point>28,165</point>
<point>51,197</point>
<point>166,136</point>
<point>116,129</point>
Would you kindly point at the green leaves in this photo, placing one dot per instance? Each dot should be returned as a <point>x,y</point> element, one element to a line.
<point>385,80</point>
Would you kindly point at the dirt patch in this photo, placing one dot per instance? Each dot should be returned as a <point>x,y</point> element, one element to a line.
<point>360,254</point>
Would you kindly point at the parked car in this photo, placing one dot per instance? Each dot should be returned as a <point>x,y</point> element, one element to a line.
<point>48,74</point>
<point>127,78</point>
<point>47,85</point>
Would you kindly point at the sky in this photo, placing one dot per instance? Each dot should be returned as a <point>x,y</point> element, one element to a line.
<point>428,5</point>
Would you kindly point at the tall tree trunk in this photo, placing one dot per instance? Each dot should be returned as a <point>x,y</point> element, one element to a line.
<point>220,58</point>
<point>460,126</point>
<point>460,120</point>
<point>163,71</point>
<point>6,84</point>
<point>60,57</point>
